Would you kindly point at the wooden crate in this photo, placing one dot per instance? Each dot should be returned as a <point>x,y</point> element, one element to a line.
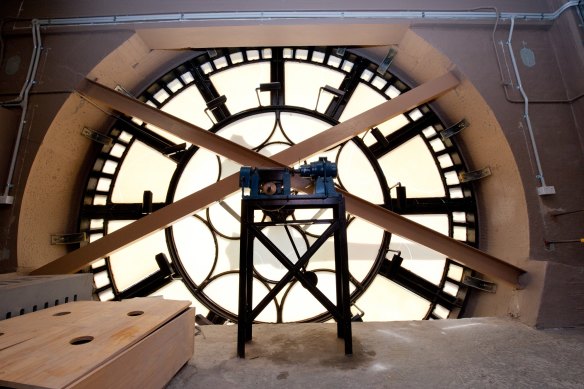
<point>139,342</point>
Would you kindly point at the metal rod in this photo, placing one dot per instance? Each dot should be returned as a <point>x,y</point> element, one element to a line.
<point>548,242</point>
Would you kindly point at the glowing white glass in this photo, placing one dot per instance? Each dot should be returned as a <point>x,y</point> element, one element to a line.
<point>303,83</point>
<point>143,169</point>
<point>385,300</point>
<point>189,106</point>
<point>133,263</point>
<point>239,85</point>
<point>413,166</point>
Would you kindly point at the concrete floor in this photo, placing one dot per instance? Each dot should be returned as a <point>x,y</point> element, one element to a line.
<point>466,353</point>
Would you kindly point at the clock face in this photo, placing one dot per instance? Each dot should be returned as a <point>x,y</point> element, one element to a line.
<point>268,99</point>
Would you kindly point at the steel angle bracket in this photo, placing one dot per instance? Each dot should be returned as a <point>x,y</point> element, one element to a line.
<point>474,175</point>
<point>455,129</point>
<point>96,136</point>
<point>76,237</point>
<point>386,63</point>
<point>477,283</point>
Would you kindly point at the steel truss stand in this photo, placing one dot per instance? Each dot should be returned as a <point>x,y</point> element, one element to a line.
<point>251,230</point>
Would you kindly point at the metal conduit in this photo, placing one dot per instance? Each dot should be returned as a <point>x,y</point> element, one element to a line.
<point>543,189</point>
<point>276,15</point>
<point>22,101</point>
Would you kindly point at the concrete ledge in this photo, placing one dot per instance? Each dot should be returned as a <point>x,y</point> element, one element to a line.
<point>465,353</point>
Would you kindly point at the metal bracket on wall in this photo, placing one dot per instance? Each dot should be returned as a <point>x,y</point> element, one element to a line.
<point>386,63</point>
<point>176,149</point>
<point>96,136</point>
<point>76,237</point>
<point>123,90</point>
<point>477,283</point>
<point>328,89</point>
<point>455,129</point>
<point>214,104</point>
<point>474,175</point>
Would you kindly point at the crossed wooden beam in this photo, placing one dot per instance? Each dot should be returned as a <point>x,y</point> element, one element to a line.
<point>337,134</point>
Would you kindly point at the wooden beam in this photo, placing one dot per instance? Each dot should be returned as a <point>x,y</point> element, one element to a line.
<point>91,344</point>
<point>368,119</point>
<point>141,228</point>
<point>107,97</point>
<point>337,134</point>
<point>452,248</point>
<point>305,149</point>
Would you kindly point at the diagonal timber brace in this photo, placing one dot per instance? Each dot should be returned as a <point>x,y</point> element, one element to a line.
<point>337,134</point>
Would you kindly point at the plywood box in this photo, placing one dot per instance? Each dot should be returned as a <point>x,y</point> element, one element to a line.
<point>136,343</point>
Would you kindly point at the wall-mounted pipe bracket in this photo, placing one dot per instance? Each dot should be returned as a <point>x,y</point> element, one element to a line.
<point>6,200</point>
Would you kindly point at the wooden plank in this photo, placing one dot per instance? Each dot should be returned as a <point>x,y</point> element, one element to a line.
<point>461,252</point>
<point>370,118</point>
<point>172,213</point>
<point>176,126</point>
<point>152,362</point>
<point>390,221</point>
<point>49,360</point>
<point>141,228</point>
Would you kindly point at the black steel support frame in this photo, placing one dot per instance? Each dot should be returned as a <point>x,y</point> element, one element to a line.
<point>251,230</point>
